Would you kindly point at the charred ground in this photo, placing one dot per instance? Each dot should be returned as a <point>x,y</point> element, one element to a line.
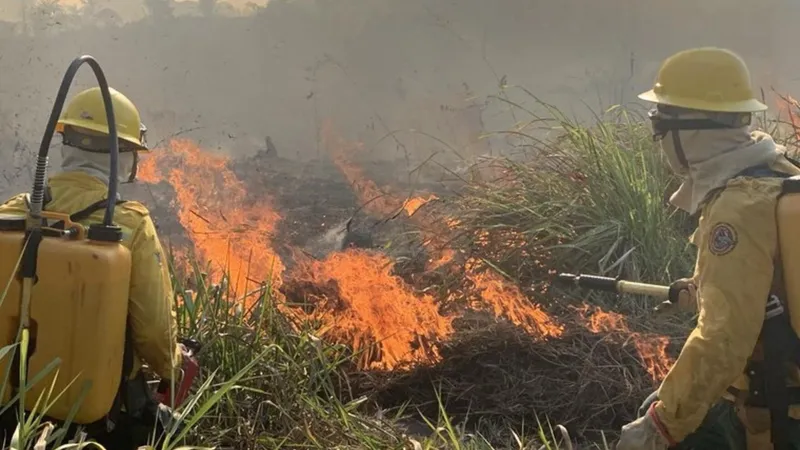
<point>517,352</point>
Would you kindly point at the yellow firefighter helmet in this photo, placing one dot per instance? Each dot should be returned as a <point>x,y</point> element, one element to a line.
<point>705,79</point>
<point>87,110</point>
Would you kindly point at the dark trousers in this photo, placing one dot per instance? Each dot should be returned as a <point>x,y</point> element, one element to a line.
<point>721,429</point>
<point>131,431</point>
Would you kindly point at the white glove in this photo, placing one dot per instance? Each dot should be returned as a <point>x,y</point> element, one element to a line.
<point>642,434</point>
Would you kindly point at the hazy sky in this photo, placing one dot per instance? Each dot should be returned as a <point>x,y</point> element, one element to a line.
<point>383,66</point>
<point>11,9</point>
<point>232,2</point>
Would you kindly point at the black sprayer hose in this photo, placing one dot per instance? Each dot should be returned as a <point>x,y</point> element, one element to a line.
<point>37,197</point>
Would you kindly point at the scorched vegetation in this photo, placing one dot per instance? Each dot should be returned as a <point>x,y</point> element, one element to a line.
<point>438,327</point>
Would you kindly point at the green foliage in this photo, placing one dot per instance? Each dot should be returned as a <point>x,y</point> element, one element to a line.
<point>591,200</point>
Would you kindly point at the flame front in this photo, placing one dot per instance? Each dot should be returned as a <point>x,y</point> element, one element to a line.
<point>234,237</point>
<point>506,300</point>
<point>490,292</point>
<point>651,348</point>
<point>235,234</point>
<point>353,293</point>
<point>375,306</point>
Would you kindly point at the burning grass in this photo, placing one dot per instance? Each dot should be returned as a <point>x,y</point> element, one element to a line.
<point>592,200</point>
<point>453,320</point>
<point>460,341</point>
<point>490,377</point>
<point>373,311</point>
<point>496,373</point>
<point>302,390</point>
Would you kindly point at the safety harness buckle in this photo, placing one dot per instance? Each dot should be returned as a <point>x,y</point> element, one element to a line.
<point>774,307</point>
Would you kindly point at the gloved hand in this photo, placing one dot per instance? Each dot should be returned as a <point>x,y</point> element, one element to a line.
<point>643,434</point>
<point>682,297</point>
<point>168,420</point>
<point>157,420</point>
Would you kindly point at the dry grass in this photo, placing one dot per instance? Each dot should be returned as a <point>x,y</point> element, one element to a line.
<point>496,375</point>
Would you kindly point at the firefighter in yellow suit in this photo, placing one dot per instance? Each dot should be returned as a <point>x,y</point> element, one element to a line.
<point>82,182</point>
<point>704,103</point>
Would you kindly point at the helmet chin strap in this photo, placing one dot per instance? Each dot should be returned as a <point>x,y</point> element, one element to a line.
<point>134,169</point>
<point>143,140</point>
<point>676,139</point>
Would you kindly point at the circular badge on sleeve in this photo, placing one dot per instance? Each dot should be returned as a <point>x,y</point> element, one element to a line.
<point>723,239</point>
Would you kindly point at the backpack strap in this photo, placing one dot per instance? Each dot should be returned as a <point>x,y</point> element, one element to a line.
<point>761,171</point>
<point>765,171</point>
<point>75,217</point>
<point>86,212</point>
<point>793,161</point>
<point>758,171</point>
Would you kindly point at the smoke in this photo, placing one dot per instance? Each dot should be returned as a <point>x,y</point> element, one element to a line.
<point>377,68</point>
<point>336,239</point>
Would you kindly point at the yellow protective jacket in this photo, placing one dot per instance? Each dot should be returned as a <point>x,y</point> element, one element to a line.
<point>150,313</point>
<point>737,245</point>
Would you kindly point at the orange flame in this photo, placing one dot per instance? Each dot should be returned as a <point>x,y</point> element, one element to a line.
<point>369,194</point>
<point>376,306</point>
<point>651,348</point>
<point>362,303</point>
<point>413,204</point>
<point>506,300</point>
<point>494,293</point>
<point>233,236</point>
<point>373,306</point>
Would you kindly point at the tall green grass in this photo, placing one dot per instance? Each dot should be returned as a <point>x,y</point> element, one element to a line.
<point>266,382</point>
<point>592,199</point>
<point>295,396</point>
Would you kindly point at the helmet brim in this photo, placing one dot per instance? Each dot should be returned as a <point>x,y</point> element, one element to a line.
<point>744,106</point>
<point>100,129</point>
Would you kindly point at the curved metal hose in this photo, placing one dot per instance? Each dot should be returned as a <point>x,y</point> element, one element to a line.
<point>37,196</point>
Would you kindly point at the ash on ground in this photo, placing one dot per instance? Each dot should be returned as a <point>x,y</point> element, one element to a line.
<point>320,212</point>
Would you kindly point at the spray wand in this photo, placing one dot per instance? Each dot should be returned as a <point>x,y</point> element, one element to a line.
<point>675,294</point>
<point>619,286</point>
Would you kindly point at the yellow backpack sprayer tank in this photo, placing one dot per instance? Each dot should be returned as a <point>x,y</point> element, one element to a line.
<point>64,296</point>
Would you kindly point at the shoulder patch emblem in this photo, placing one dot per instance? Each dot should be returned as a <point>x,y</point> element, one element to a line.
<point>723,239</point>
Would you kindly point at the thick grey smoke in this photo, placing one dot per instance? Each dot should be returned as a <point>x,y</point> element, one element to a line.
<point>371,66</point>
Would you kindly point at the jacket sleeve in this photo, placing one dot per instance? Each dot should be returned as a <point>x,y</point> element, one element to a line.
<point>736,246</point>
<point>153,322</point>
